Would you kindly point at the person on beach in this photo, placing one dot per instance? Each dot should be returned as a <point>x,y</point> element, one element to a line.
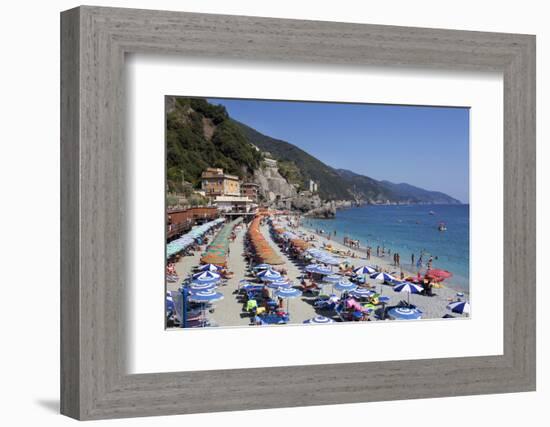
<point>397,259</point>
<point>378,251</point>
<point>412,259</point>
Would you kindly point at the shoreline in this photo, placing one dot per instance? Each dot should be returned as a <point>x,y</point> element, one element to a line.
<point>385,263</point>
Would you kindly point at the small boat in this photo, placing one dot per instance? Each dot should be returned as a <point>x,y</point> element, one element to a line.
<point>442,226</point>
<point>432,213</point>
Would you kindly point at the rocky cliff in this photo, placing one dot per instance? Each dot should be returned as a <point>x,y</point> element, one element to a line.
<point>273,187</point>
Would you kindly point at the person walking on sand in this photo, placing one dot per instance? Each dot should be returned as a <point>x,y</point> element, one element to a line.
<point>412,259</point>
<point>368,252</point>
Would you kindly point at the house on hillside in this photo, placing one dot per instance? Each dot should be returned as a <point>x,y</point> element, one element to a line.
<point>214,182</point>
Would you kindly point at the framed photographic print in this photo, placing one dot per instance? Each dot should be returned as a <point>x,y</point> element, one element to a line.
<point>301,208</point>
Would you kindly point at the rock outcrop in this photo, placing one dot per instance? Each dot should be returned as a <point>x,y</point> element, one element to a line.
<point>273,187</point>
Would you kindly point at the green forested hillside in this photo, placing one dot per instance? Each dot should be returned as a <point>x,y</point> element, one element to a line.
<point>200,135</point>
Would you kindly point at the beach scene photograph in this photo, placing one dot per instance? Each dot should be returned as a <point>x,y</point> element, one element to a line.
<point>311,213</point>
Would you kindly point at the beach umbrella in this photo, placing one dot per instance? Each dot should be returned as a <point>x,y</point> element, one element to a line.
<point>362,293</point>
<point>365,270</point>
<point>437,274</point>
<point>206,277</point>
<point>262,267</point>
<point>209,267</point>
<point>345,286</point>
<point>288,294</point>
<point>333,278</point>
<point>405,313</point>
<point>311,268</point>
<point>207,296</point>
<point>197,287</point>
<point>461,307</point>
<point>269,275</point>
<point>383,277</point>
<point>409,288</point>
<point>319,320</point>
<point>324,271</point>
<point>282,283</point>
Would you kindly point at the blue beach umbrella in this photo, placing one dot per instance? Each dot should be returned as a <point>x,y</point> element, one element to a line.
<point>345,286</point>
<point>282,283</point>
<point>384,300</point>
<point>322,270</point>
<point>197,287</point>
<point>333,278</point>
<point>311,268</point>
<point>262,267</point>
<point>209,267</point>
<point>409,288</point>
<point>319,320</point>
<point>269,275</point>
<point>288,294</point>
<point>206,277</point>
<point>365,270</point>
<point>405,313</point>
<point>205,296</point>
<point>461,307</point>
<point>383,277</point>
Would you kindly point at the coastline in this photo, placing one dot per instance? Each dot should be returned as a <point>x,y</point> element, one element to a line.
<point>361,255</point>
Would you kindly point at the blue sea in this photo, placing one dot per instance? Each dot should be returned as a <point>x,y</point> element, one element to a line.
<point>407,230</point>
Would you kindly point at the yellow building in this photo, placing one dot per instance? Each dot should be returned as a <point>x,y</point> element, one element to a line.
<point>216,183</point>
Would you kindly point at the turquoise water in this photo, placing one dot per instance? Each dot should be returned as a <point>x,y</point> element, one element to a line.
<point>407,230</point>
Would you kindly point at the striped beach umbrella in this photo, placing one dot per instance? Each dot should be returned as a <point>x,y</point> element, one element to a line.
<point>405,313</point>
<point>365,270</point>
<point>206,296</point>
<point>461,307</point>
<point>269,275</point>
<point>383,277</point>
<point>409,288</point>
<point>345,286</point>
<point>311,268</point>
<point>319,320</point>
<point>282,283</point>
<point>206,277</point>
<point>262,267</point>
<point>362,293</point>
<point>288,294</point>
<point>209,267</point>
<point>198,287</point>
<point>333,278</point>
<point>322,270</point>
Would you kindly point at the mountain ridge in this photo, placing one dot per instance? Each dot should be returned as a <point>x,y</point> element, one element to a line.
<point>201,135</point>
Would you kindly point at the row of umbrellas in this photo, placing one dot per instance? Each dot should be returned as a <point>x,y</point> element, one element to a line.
<point>217,251</point>
<point>262,249</point>
<point>189,238</point>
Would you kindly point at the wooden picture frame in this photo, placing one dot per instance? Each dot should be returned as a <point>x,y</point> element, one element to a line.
<point>94,41</point>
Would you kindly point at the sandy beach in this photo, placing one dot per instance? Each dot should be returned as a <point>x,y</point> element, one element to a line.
<point>229,311</point>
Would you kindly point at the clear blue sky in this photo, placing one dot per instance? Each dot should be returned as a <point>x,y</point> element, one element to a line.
<point>423,146</point>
